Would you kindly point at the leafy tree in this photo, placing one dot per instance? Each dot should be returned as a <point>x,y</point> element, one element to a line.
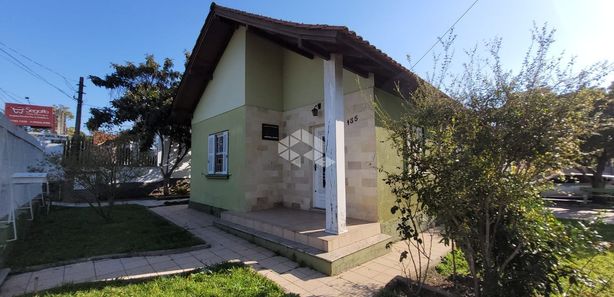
<point>599,145</point>
<point>145,93</point>
<point>477,159</point>
<point>70,131</point>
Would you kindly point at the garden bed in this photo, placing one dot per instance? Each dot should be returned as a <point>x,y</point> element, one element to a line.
<point>600,267</point>
<point>439,281</point>
<point>436,286</point>
<point>73,233</point>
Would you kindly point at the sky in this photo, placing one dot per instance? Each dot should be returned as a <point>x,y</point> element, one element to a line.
<point>81,38</point>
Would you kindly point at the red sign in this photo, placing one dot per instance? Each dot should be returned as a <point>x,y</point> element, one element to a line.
<point>30,115</point>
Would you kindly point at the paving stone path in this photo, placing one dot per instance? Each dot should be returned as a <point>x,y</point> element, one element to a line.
<point>360,281</point>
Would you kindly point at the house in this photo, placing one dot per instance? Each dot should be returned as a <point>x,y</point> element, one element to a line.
<point>286,145</point>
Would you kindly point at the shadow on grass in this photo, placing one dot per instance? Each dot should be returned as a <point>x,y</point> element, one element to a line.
<point>225,279</point>
<point>74,233</point>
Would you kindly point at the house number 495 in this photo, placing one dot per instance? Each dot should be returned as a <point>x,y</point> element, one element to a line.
<point>352,120</point>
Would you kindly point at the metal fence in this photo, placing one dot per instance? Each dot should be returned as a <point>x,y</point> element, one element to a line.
<point>123,153</point>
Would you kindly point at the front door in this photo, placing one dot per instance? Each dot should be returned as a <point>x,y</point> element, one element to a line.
<point>319,174</point>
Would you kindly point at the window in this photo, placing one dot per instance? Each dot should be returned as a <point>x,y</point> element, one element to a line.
<point>217,161</point>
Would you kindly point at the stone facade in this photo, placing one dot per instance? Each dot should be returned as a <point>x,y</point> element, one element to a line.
<point>361,167</point>
<point>263,179</point>
<point>271,180</point>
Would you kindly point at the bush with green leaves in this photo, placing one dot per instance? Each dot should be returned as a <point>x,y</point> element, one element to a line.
<point>477,157</point>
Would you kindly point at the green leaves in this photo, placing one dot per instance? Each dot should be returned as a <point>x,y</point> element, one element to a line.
<point>144,98</point>
<point>481,167</point>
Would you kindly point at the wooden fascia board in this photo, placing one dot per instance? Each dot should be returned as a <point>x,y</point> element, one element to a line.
<point>195,50</point>
<point>326,35</point>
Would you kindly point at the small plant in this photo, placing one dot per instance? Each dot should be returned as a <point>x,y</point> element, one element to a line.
<point>453,265</point>
<point>181,188</point>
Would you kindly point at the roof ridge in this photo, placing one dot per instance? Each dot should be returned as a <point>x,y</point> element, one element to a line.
<point>215,6</point>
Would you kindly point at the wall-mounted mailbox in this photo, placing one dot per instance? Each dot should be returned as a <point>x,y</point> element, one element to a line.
<point>270,132</point>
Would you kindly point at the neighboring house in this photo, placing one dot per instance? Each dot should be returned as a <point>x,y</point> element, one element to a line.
<point>286,144</point>
<point>99,137</point>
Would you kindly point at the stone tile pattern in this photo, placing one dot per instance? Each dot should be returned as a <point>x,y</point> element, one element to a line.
<point>361,168</point>
<point>297,181</point>
<point>360,281</point>
<point>276,180</point>
<point>263,183</point>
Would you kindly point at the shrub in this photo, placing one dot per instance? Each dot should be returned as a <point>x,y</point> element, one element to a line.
<point>477,159</point>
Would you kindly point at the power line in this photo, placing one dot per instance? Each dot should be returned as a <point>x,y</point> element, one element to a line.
<point>29,70</point>
<point>90,105</point>
<point>66,80</point>
<point>13,94</point>
<point>444,34</point>
<point>8,95</point>
<point>2,96</point>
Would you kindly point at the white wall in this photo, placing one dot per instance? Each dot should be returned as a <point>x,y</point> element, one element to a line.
<point>152,174</point>
<point>18,151</point>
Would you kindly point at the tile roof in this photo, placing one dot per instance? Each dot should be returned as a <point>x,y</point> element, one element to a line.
<point>341,29</point>
<point>320,40</point>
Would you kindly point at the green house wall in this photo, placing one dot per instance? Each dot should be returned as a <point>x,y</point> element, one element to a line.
<point>226,91</point>
<point>221,193</point>
<point>387,157</point>
<point>263,73</point>
<point>222,107</point>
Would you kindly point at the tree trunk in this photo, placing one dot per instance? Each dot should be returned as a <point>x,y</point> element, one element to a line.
<point>597,180</point>
<point>166,181</point>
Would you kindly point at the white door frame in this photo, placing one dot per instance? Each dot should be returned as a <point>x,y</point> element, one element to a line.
<point>315,179</point>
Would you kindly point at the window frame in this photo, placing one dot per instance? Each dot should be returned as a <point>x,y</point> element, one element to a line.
<point>217,147</point>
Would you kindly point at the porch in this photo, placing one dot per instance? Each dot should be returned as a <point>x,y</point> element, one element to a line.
<point>300,235</point>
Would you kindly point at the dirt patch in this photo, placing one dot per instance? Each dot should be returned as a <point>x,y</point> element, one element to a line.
<point>436,286</point>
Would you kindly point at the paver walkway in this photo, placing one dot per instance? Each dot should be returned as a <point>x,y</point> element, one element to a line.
<point>143,202</point>
<point>360,281</point>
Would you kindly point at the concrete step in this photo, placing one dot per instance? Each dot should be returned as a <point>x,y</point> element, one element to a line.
<point>330,263</point>
<point>314,237</point>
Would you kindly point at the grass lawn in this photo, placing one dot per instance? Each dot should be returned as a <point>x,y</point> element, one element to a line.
<point>606,231</point>
<point>72,233</point>
<point>227,279</point>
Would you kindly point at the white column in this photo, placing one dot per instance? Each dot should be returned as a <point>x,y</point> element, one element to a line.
<point>334,125</point>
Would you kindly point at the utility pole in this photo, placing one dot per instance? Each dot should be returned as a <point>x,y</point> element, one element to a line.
<point>75,143</point>
<point>79,104</point>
